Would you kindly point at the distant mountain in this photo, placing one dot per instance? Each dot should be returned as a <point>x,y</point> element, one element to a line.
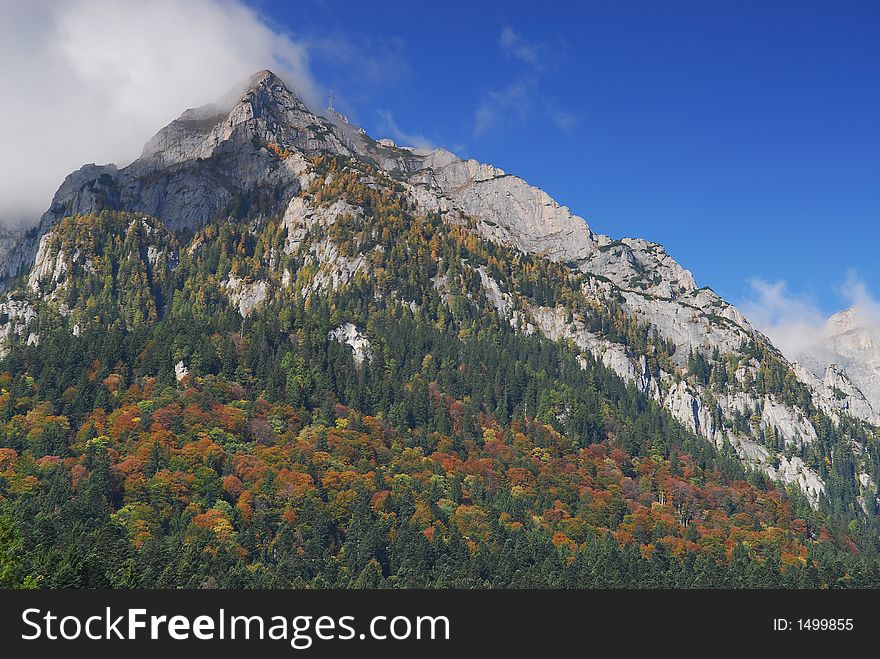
<point>259,256</point>
<point>845,357</point>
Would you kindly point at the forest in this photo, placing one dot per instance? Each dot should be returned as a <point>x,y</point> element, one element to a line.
<point>461,452</point>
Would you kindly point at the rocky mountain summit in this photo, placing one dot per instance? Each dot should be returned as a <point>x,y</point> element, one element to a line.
<point>195,167</point>
<point>697,356</point>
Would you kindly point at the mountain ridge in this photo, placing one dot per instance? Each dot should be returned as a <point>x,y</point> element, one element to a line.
<point>367,365</point>
<point>209,164</point>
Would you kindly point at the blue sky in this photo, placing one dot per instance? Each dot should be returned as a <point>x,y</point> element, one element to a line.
<point>741,135</point>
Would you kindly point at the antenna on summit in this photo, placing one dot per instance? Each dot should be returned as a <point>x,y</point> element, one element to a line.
<point>330,99</point>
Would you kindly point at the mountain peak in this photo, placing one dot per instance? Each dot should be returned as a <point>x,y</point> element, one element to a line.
<point>265,84</point>
<point>851,319</point>
<point>262,111</point>
<point>194,167</point>
<point>265,77</point>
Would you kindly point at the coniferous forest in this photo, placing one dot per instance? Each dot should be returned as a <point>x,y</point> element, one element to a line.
<point>153,435</point>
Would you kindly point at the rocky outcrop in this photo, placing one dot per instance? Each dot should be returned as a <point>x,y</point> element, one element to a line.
<point>180,371</point>
<point>48,267</point>
<point>16,320</point>
<point>245,295</point>
<point>835,393</point>
<point>353,337</point>
<point>301,217</point>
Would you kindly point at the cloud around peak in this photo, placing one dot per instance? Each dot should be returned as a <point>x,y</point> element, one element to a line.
<point>855,291</point>
<point>93,80</point>
<point>792,322</point>
<point>795,323</point>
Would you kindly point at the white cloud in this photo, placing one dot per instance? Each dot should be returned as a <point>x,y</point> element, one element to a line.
<point>510,105</point>
<point>93,80</point>
<point>855,292</point>
<point>564,120</point>
<point>513,45</point>
<point>515,104</point>
<point>402,137</point>
<point>372,61</point>
<point>794,323</point>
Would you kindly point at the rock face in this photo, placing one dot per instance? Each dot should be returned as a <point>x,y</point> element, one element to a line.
<point>511,211</point>
<point>250,156</point>
<point>245,296</point>
<point>17,317</point>
<point>689,404</point>
<point>9,238</point>
<point>180,371</point>
<point>352,336</point>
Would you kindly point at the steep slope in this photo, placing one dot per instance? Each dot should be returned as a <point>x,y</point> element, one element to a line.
<point>627,302</point>
<point>388,429</point>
